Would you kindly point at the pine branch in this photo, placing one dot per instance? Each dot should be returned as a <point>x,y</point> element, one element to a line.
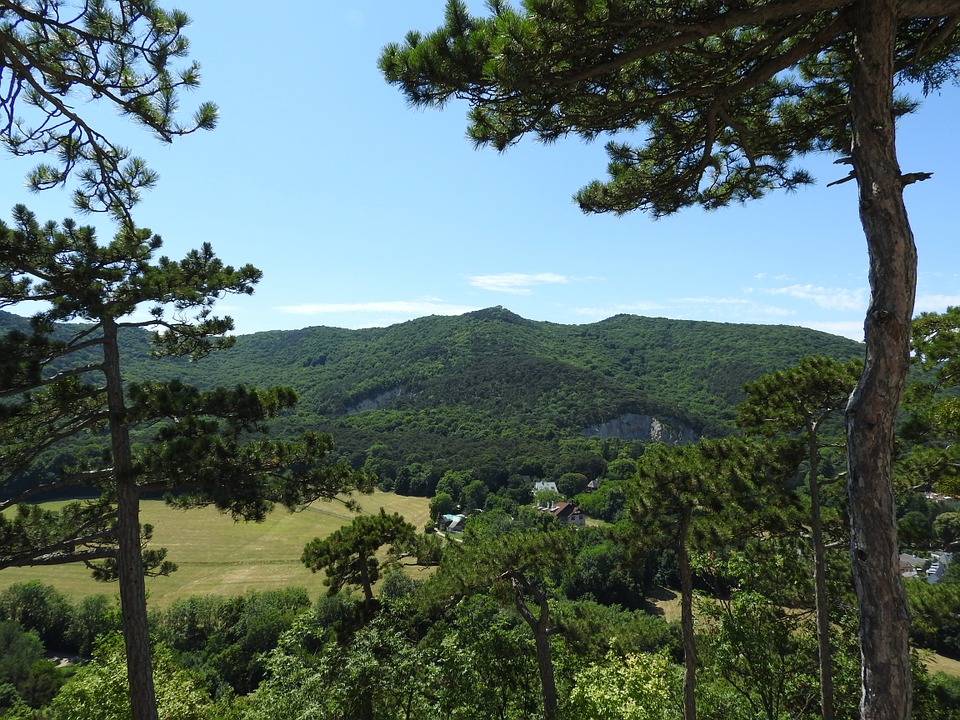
<point>74,479</point>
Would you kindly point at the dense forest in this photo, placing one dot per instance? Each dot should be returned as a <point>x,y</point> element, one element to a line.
<point>495,393</point>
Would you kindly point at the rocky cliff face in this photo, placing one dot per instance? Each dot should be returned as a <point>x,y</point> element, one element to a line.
<point>378,402</point>
<point>632,426</point>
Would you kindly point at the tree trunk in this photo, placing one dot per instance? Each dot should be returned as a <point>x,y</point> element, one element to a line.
<point>886,689</point>
<point>366,704</point>
<point>367,585</point>
<point>820,581</point>
<point>541,634</point>
<point>686,623</point>
<point>133,597</point>
<point>547,682</point>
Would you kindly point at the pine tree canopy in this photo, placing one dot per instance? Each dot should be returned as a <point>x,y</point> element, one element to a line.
<point>722,96</point>
<point>120,54</point>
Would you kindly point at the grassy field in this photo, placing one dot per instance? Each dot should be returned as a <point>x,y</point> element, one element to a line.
<point>215,555</point>
<point>939,663</point>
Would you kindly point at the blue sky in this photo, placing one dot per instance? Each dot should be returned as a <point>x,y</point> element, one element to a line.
<point>364,212</point>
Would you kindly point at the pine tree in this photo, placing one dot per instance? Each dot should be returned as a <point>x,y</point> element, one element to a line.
<point>60,382</point>
<point>697,498</point>
<point>727,97</point>
<point>802,400</point>
<point>517,567</point>
<point>932,426</point>
<point>56,56</point>
<point>348,555</point>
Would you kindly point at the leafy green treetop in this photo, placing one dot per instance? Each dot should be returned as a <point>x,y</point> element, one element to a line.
<point>97,690</point>
<point>442,504</point>
<point>55,56</point>
<point>639,687</point>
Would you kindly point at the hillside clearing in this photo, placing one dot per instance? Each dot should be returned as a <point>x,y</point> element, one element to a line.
<point>216,555</point>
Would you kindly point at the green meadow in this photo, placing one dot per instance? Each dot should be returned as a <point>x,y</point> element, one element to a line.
<point>216,555</point>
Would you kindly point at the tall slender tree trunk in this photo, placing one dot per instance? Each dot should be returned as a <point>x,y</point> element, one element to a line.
<point>686,622</point>
<point>133,598</point>
<point>548,685</point>
<point>541,634</point>
<point>820,580</point>
<point>367,585</point>
<point>886,685</point>
<point>366,704</point>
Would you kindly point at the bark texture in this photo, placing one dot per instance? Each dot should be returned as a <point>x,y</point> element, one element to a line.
<point>133,599</point>
<point>884,622</point>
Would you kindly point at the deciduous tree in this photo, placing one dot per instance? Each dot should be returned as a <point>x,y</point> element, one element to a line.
<point>727,96</point>
<point>441,504</point>
<point>97,692</point>
<point>637,687</point>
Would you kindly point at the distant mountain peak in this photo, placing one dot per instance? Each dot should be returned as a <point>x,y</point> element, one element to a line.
<point>500,314</point>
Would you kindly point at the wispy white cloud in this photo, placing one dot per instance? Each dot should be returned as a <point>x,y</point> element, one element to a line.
<point>766,276</point>
<point>728,303</point>
<point>637,308</point>
<point>693,308</point>
<point>935,303</point>
<point>414,308</point>
<point>827,298</point>
<point>516,283</point>
<point>726,310</point>
<point>222,308</point>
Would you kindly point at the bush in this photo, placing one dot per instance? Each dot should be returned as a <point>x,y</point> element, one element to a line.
<point>638,687</point>
<point>224,639</point>
<point>99,690</point>
<point>935,696</point>
<point>34,679</point>
<point>92,617</point>
<point>39,607</point>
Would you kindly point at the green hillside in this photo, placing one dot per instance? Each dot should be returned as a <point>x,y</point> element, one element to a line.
<point>492,391</point>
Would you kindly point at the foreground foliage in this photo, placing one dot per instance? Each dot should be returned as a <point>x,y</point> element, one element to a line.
<point>99,690</point>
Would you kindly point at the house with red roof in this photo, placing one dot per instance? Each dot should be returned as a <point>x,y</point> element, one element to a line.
<point>564,512</point>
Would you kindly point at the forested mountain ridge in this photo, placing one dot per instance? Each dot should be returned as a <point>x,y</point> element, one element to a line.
<point>493,383</point>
